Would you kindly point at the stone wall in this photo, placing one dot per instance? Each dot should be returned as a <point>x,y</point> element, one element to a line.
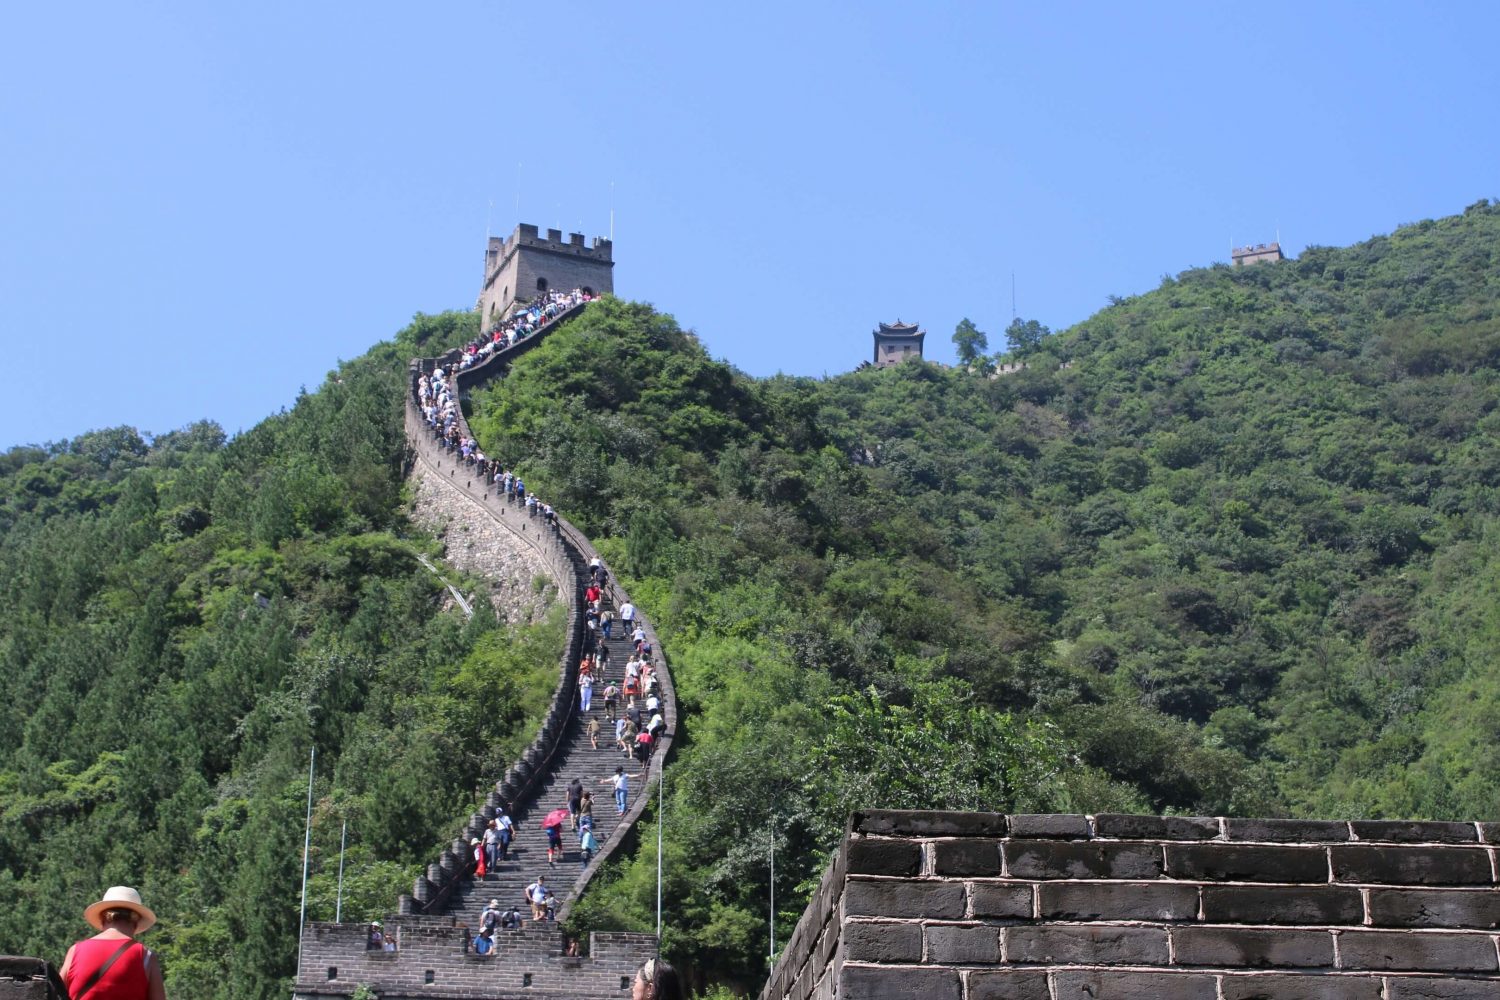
<point>433,961</point>
<point>476,544</point>
<point>981,906</point>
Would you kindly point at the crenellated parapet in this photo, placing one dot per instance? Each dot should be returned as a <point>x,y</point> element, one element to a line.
<point>527,263</point>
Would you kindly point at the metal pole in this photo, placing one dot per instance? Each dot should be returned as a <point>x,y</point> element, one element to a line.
<point>773,892</point>
<point>660,811</point>
<point>338,909</point>
<point>306,847</point>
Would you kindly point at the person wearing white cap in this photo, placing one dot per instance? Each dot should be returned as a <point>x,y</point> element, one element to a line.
<point>113,965</point>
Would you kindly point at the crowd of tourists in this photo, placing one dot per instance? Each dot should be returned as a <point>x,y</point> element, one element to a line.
<point>538,313</point>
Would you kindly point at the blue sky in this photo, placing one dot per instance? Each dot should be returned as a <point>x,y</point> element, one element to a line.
<point>207,205</point>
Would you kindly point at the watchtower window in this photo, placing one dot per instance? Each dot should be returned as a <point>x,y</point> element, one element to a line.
<point>541,284</point>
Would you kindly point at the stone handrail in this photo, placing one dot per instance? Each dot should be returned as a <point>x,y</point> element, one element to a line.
<point>565,551</point>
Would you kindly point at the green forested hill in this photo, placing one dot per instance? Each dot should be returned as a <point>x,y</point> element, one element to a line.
<point>1239,556</point>
<point>183,621</point>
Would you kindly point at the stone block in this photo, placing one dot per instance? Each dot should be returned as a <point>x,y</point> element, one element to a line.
<point>1477,908</point>
<point>1246,863</point>
<point>884,857</point>
<point>929,823</point>
<point>1041,859</point>
<point>1411,865</point>
<point>1254,904</point>
<point>1058,825</point>
<point>1489,832</point>
<point>953,944</point>
<point>966,857</point>
<point>882,942</point>
<point>1288,831</point>
<point>1251,948</point>
<point>1008,984</point>
<point>865,983</point>
<point>1305,987</point>
<point>1425,988</point>
<point>939,900</point>
<point>1087,945</point>
<point>1415,832</point>
<point>1119,901</point>
<point>1429,951</point>
<point>1094,985</point>
<point>999,899</point>
<point>1126,827</point>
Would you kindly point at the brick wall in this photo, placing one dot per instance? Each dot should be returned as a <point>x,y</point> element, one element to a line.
<point>981,906</point>
<point>433,961</point>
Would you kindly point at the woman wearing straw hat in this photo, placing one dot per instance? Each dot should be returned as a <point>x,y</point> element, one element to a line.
<point>113,965</point>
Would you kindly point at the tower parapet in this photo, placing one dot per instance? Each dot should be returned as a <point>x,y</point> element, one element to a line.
<point>1258,253</point>
<point>527,263</point>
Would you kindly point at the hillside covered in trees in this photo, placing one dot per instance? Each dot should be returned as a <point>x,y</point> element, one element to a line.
<point>1240,556</point>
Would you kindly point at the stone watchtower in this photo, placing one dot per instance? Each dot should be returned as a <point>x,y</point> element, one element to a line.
<point>897,342</point>
<point>524,265</point>
<point>1257,254</point>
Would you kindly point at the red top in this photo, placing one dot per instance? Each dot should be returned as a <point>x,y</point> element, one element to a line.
<point>125,980</point>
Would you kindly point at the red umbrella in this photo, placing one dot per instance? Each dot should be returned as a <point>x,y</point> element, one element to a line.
<point>556,817</point>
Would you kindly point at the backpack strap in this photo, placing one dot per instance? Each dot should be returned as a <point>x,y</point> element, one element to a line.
<point>99,972</point>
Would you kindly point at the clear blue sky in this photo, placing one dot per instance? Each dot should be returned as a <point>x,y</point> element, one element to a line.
<point>206,205</point>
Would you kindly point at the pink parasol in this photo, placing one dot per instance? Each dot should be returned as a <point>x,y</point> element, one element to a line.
<point>556,817</point>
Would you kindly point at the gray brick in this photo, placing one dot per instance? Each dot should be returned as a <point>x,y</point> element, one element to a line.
<point>1249,948</point>
<point>1288,831</point>
<point>1415,832</point>
<point>1411,865</point>
<point>1008,984</point>
<point>1489,832</point>
<point>1119,901</point>
<point>882,942</point>
<point>1425,988</point>
<point>1092,985</point>
<point>866,983</point>
<point>966,857</point>
<point>884,857</point>
<point>1059,825</point>
<point>1478,908</point>
<point>1087,945</point>
<point>941,900</point>
<point>952,944</point>
<point>1125,827</point>
<point>1278,904</point>
<point>929,823</point>
<point>1246,863</point>
<point>1430,951</point>
<point>1041,859</point>
<point>1001,899</point>
<point>1304,987</point>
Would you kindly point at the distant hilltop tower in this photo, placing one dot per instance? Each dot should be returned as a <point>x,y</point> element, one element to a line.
<point>525,265</point>
<point>1257,254</point>
<point>897,342</point>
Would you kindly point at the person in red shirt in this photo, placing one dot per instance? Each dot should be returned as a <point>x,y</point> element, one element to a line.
<point>113,965</point>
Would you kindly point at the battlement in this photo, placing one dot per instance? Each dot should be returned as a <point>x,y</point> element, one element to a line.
<point>1256,254</point>
<point>527,263</point>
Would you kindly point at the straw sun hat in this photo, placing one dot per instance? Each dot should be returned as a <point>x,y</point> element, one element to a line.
<point>120,897</point>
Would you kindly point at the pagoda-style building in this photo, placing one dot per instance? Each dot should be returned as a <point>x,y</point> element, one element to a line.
<point>897,342</point>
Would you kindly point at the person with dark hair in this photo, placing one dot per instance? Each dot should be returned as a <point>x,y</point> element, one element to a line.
<point>657,980</point>
<point>113,965</point>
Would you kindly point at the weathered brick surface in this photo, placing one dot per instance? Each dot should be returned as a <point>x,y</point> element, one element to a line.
<point>966,857</point>
<point>1064,825</point>
<point>1044,859</point>
<point>1413,832</point>
<point>1415,988</point>
<point>860,982</point>
<point>1288,831</point>
<point>1156,827</point>
<point>1096,985</point>
<point>1008,984</point>
<point>1246,863</point>
<point>1100,944</point>
<point>929,823</point>
<point>1118,901</point>
<point>882,942</point>
<point>1282,904</point>
<point>936,900</point>
<point>1477,908</point>
<point>1393,865</point>
<point>955,944</point>
<point>1252,948</point>
<point>1001,899</point>
<point>1303,987</point>
<point>1429,951</point>
<point>884,857</point>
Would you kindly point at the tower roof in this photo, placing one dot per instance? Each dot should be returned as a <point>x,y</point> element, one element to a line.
<point>899,329</point>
